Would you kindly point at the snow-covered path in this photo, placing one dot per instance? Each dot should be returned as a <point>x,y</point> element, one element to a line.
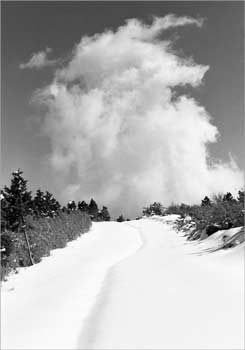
<point>164,297</point>
<point>45,306</point>
<point>134,285</point>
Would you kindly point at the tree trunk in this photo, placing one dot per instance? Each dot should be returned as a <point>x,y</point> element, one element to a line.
<point>28,247</point>
<point>24,231</point>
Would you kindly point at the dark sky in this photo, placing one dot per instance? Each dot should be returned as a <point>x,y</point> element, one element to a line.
<point>29,27</point>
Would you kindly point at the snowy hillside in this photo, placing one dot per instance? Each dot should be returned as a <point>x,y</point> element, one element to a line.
<point>128,285</point>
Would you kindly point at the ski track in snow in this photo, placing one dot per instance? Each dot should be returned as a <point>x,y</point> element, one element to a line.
<point>46,305</point>
<point>163,297</point>
<point>93,320</point>
<point>131,285</point>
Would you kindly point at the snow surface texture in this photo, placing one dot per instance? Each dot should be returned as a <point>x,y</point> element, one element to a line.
<point>132,285</point>
<point>45,306</point>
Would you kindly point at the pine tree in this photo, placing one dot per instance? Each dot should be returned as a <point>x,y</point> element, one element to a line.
<point>120,218</point>
<point>17,201</point>
<point>38,203</point>
<point>206,202</point>
<point>71,205</point>
<point>105,214</point>
<point>4,222</point>
<point>154,209</point>
<point>228,197</point>
<point>93,209</point>
<point>83,206</point>
<point>18,204</point>
<point>51,205</point>
<point>44,204</point>
<point>240,197</point>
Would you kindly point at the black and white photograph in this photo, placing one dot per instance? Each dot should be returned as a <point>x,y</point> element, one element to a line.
<point>122,175</point>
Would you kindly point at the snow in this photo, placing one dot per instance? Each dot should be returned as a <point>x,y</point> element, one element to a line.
<point>131,285</point>
<point>45,306</point>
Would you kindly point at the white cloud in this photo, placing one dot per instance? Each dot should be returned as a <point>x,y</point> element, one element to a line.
<point>39,60</point>
<point>136,29</point>
<point>114,124</point>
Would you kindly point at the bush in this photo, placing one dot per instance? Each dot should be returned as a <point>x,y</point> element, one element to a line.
<point>154,209</point>
<point>44,234</point>
<point>223,212</point>
<point>120,218</point>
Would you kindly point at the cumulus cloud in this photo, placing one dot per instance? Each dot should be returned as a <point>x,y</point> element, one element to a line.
<point>39,60</point>
<point>117,130</point>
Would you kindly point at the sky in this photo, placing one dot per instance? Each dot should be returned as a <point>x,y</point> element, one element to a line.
<point>102,116</point>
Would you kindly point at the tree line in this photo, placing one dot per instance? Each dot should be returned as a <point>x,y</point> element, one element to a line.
<point>31,226</point>
<point>221,212</point>
<point>17,202</point>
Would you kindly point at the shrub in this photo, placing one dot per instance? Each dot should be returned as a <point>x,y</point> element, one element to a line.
<point>223,212</point>
<point>104,214</point>
<point>44,234</point>
<point>120,218</point>
<point>154,209</point>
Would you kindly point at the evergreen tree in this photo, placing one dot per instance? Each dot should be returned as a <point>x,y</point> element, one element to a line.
<point>120,218</point>
<point>206,202</point>
<point>38,203</point>
<point>17,205</point>
<point>93,209</point>
<point>154,209</point>
<point>44,204</point>
<point>228,197</point>
<point>71,205</point>
<point>240,197</point>
<point>17,201</point>
<point>51,205</point>
<point>4,222</point>
<point>105,214</point>
<point>83,206</point>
